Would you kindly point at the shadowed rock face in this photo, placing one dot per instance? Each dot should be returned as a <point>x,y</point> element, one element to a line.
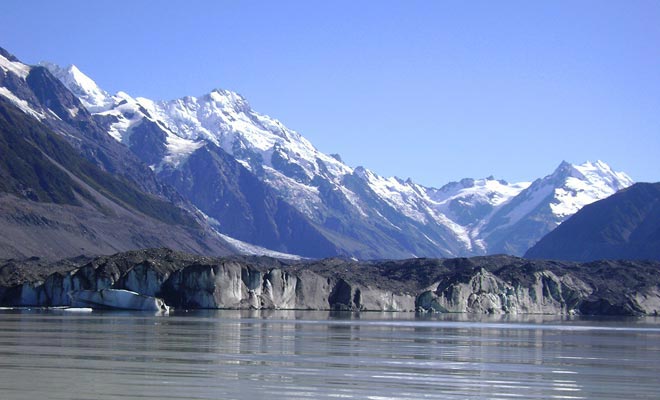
<point>494,284</point>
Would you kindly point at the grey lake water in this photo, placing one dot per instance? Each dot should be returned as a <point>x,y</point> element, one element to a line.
<point>59,354</point>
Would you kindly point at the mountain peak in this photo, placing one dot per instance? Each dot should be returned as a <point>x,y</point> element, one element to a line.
<point>222,94</point>
<point>578,185</point>
<point>590,171</point>
<point>226,99</point>
<point>563,170</point>
<point>597,166</point>
<point>90,94</point>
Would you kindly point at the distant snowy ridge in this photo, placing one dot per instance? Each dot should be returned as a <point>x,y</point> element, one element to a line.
<point>461,218</point>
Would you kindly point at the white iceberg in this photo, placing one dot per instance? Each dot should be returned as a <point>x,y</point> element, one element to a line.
<point>118,299</point>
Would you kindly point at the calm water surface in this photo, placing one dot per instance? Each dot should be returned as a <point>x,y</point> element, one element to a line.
<point>311,355</point>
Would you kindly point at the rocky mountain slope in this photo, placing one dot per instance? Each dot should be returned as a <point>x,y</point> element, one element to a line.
<point>493,284</point>
<point>625,225</point>
<point>229,160</point>
<point>66,188</point>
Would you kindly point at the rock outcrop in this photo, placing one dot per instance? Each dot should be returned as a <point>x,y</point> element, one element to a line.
<point>494,284</point>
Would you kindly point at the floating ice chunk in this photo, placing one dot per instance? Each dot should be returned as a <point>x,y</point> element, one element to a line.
<point>116,299</point>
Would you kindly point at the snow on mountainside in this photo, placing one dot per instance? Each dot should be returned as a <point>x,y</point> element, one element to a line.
<point>68,188</point>
<point>121,112</point>
<point>226,119</point>
<point>250,249</point>
<point>585,184</point>
<point>8,63</point>
<point>93,97</point>
<point>221,117</point>
<point>547,202</point>
<point>348,205</point>
<point>12,69</point>
<point>471,200</point>
<point>569,188</point>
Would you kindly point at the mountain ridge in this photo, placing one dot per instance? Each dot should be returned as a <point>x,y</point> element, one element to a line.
<point>285,194</point>
<point>68,188</point>
<point>349,206</point>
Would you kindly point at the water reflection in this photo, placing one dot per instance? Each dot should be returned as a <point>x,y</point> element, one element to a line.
<point>301,354</point>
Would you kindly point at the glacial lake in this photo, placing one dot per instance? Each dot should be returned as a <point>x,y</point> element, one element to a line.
<point>57,354</point>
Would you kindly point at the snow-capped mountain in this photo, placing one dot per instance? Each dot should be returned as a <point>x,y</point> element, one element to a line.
<point>547,202</point>
<point>67,188</point>
<point>219,152</point>
<point>94,98</point>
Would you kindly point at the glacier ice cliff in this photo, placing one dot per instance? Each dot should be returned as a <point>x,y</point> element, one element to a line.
<point>491,284</point>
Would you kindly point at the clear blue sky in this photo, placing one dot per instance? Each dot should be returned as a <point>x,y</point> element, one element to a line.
<point>432,90</point>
